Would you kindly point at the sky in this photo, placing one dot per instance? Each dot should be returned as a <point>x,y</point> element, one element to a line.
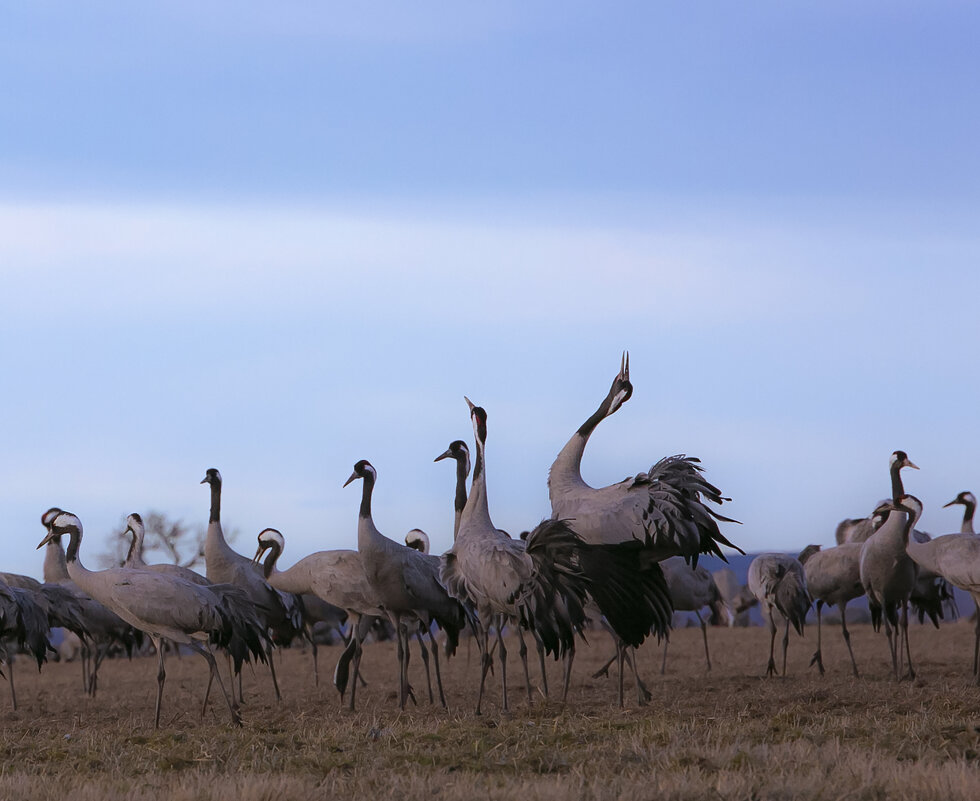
<point>278,239</point>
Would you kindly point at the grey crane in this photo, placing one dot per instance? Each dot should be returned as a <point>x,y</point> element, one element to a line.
<point>336,577</point>
<point>406,581</point>
<point>419,540</point>
<point>955,557</point>
<point>969,502</point>
<point>280,611</point>
<point>101,627</point>
<point>134,557</point>
<point>660,513</point>
<point>57,605</point>
<point>168,607</point>
<point>888,575</point>
<point>778,581</point>
<point>860,528</point>
<point>460,453</point>
<point>22,618</point>
<point>833,577</point>
<point>734,599</point>
<point>537,584</point>
<point>691,589</point>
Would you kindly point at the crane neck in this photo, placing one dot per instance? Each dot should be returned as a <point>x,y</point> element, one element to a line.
<point>459,503</point>
<point>215,516</point>
<point>910,520</point>
<point>898,489</point>
<point>366,491</point>
<point>134,557</point>
<point>566,471</point>
<point>967,526</point>
<point>55,565</point>
<point>270,561</point>
<point>476,508</point>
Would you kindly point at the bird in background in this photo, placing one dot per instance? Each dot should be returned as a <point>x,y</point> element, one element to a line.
<point>406,581</point>
<point>168,607</point>
<point>778,581</point>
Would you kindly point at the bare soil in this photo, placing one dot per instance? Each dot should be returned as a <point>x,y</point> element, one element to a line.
<point>729,734</point>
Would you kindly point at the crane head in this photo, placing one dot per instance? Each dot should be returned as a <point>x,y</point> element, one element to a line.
<point>964,498</point>
<point>63,523</point>
<point>457,450</point>
<point>269,538</point>
<point>621,389</point>
<point>363,469</point>
<point>901,458</point>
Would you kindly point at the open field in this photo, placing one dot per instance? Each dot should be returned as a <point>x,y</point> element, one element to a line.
<point>729,734</point>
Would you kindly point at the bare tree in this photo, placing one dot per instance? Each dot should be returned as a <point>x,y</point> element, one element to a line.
<point>176,542</point>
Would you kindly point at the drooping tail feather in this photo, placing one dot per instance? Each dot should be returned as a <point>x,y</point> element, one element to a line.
<point>633,597</point>
<point>554,603</point>
<point>792,599</point>
<point>241,632</point>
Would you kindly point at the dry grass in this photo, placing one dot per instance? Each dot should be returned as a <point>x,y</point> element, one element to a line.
<point>729,734</point>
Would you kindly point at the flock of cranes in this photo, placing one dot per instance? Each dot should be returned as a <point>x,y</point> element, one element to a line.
<point>625,555</point>
<point>883,557</point>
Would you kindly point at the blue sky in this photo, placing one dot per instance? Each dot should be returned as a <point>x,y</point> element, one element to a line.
<point>281,239</point>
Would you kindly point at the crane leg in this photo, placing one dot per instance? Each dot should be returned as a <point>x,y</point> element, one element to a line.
<point>272,670</point>
<point>425,661</point>
<point>213,665</point>
<point>663,663</point>
<point>643,695</point>
<point>502,655</point>
<point>544,672</point>
<point>910,673</point>
<point>567,678</point>
<point>161,678</point>
<point>522,652</point>
<point>785,645</point>
<point>316,666</point>
<point>93,679</point>
<point>231,678</point>
<point>817,658</point>
<point>86,654</point>
<point>620,659</point>
<point>435,661</point>
<point>976,641</point>
<point>357,669</point>
<point>207,695</point>
<point>847,636</point>
<point>891,647</point>
<point>341,671</point>
<point>401,663</point>
<point>704,634</point>
<point>604,670</point>
<point>771,667</point>
<point>10,679</point>
<point>486,661</point>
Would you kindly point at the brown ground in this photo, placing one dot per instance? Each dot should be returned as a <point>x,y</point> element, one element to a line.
<point>727,734</point>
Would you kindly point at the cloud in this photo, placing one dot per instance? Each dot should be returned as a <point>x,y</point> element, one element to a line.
<point>143,259</point>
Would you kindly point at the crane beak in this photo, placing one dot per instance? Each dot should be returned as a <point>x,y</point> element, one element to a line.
<point>258,555</point>
<point>204,480</point>
<point>447,454</point>
<point>45,541</point>
<point>951,503</point>
<point>353,477</point>
<point>909,464</point>
<point>469,403</point>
